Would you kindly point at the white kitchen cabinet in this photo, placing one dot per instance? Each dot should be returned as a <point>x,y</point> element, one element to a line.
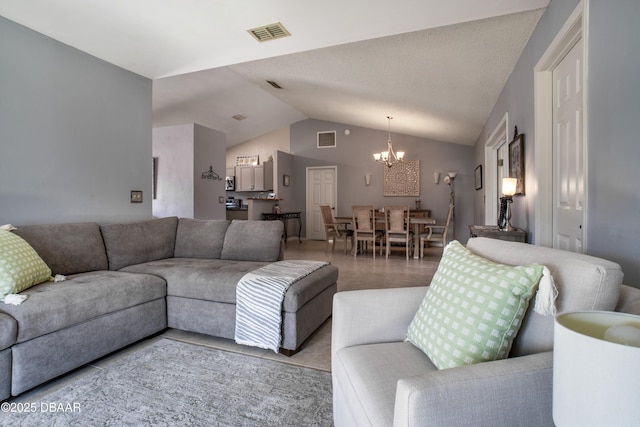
<point>255,178</point>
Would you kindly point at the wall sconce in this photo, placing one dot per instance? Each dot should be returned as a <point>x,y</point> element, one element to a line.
<point>436,177</point>
<point>367,179</point>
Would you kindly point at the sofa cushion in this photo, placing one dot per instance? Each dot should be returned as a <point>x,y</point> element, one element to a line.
<point>473,309</point>
<point>253,241</point>
<point>584,283</point>
<point>67,248</point>
<point>369,376</point>
<point>20,265</point>
<point>197,238</point>
<point>53,306</point>
<point>204,279</point>
<point>139,242</point>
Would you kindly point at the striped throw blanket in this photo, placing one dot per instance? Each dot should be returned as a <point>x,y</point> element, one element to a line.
<point>259,298</point>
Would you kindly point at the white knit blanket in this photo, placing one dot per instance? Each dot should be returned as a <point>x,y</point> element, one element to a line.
<point>259,297</point>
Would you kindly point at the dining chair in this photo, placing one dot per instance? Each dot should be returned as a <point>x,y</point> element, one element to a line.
<point>364,228</point>
<point>335,231</point>
<point>436,235</point>
<point>397,227</point>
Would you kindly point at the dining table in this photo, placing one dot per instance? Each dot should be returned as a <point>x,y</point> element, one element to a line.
<point>415,221</point>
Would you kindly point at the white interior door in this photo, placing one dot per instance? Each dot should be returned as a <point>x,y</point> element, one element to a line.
<point>495,169</point>
<point>568,152</point>
<point>322,189</point>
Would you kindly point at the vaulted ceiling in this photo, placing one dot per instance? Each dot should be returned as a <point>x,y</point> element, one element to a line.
<point>437,67</point>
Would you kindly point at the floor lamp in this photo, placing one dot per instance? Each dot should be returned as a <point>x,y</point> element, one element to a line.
<point>451,176</point>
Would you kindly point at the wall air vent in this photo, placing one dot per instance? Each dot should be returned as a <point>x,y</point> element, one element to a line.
<point>269,32</point>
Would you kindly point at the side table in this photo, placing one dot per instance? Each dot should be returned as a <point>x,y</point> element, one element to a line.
<point>493,232</point>
<point>285,217</point>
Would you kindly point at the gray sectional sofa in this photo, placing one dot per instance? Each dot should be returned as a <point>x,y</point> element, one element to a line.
<point>125,282</point>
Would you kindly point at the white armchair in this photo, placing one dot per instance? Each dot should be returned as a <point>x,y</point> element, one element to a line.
<point>379,379</point>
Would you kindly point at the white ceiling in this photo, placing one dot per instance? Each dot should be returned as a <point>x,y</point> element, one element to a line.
<point>437,67</point>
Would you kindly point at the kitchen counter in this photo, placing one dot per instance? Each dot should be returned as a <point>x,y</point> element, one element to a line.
<point>237,213</point>
<point>260,205</point>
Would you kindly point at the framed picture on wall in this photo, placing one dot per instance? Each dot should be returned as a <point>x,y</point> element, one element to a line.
<point>516,162</point>
<point>478,175</point>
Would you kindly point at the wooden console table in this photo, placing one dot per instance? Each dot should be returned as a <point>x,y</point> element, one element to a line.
<point>493,232</point>
<point>285,217</point>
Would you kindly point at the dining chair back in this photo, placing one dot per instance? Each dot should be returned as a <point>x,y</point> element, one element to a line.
<point>335,231</point>
<point>364,228</point>
<point>436,235</point>
<point>397,228</point>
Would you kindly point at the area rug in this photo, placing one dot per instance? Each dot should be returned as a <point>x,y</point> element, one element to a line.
<point>176,383</point>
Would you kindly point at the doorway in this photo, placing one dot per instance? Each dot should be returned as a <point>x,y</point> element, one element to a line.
<point>568,164</point>
<point>496,161</point>
<point>557,144</point>
<point>322,189</point>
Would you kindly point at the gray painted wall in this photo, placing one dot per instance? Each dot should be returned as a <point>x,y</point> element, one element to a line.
<point>614,128</point>
<point>75,134</point>
<point>613,93</point>
<point>354,157</point>
<point>184,153</point>
<point>210,150</point>
<point>173,146</point>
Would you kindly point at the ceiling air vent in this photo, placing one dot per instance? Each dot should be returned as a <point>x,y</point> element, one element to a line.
<point>274,84</point>
<point>239,117</point>
<point>269,32</point>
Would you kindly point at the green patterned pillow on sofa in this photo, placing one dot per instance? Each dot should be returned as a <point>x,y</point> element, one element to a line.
<point>473,309</point>
<point>20,266</point>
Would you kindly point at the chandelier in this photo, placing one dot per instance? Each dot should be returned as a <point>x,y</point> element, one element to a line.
<point>389,157</point>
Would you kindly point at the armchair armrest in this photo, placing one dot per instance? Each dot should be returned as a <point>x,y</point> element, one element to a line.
<point>376,315</point>
<point>629,301</point>
<point>513,392</point>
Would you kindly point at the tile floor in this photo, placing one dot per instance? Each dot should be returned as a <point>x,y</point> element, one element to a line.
<point>361,272</point>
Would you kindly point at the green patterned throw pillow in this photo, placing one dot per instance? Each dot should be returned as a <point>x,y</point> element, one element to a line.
<point>20,266</point>
<point>473,309</point>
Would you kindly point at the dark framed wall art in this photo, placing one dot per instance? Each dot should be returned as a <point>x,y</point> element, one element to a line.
<point>478,175</point>
<point>516,162</point>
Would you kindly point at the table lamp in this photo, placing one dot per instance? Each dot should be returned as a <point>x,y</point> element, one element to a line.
<point>596,369</point>
<point>508,190</point>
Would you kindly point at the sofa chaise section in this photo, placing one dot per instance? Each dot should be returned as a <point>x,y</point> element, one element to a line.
<point>211,256</point>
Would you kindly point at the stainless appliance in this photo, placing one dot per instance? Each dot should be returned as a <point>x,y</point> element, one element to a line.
<point>230,183</point>
<point>233,203</point>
